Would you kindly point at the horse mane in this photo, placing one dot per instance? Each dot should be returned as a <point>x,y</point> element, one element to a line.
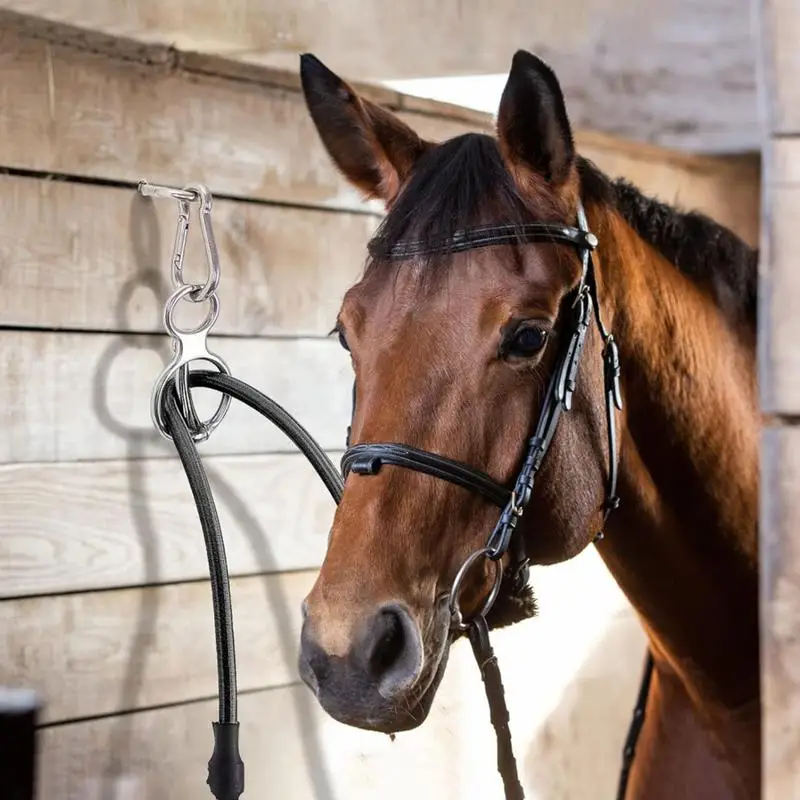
<point>705,251</point>
<point>463,182</point>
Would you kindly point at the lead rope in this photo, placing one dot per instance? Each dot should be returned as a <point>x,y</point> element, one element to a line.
<point>498,709</point>
<point>631,740</point>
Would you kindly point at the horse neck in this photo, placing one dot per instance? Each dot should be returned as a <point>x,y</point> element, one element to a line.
<point>683,545</point>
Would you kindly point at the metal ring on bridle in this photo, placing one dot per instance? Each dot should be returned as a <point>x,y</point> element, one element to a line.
<point>456,618</point>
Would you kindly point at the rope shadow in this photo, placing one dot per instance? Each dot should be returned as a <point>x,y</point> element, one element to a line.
<point>145,240</point>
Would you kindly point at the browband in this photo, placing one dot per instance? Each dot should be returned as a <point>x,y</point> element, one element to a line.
<point>487,236</point>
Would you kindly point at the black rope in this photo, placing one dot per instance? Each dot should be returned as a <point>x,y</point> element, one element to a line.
<point>226,768</point>
<point>278,416</point>
<point>215,550</point>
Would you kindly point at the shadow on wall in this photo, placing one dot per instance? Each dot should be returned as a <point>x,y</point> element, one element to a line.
<point>577,752</point>
<point>146,247</point>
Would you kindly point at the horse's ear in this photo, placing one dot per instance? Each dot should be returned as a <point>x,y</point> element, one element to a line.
<point>374,150</point>
<point>532,124</point>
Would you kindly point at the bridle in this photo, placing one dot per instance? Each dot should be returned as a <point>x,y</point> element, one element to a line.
<point>368,458</point>
<point>174,416</point>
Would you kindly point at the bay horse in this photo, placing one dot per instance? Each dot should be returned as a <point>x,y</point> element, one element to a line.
<point>455,335</point>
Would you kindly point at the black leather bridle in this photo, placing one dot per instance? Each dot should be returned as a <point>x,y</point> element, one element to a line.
<point>369,458</point>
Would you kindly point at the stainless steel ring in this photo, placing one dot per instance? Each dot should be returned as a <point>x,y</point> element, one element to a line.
<point>456,617</point>
<point>169,309</point>
<point>204,429</point>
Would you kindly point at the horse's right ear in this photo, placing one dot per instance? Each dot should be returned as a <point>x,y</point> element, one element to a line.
<point>374,149</point>
<point>532,124</point>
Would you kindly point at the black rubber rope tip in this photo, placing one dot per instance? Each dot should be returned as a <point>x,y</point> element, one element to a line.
<point>226,768</point>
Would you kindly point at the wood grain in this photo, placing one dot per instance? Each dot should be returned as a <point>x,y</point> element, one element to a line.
<point>99,653</point>
<point>780,592</point>
<point>289,748</point>
<point>779,329</point>
<point>92,257</point>
<point>780,31</point>
<point>680,74</point>
<point>239,137</point>
<point>71,527</point>
<point>97,258</point>
<point>81,397</point>
<point>198,127</point>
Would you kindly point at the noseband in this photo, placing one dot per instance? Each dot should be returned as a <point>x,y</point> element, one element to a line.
<point>369,458</point>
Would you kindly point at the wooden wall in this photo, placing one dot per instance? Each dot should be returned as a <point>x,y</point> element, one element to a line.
<point>679,74</point>
<point>779,374</point>
<point>104,606</point>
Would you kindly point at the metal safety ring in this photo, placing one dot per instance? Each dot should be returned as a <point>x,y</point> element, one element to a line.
<point>456,617</point>
<point>188,346</point>
<point>182,293</point>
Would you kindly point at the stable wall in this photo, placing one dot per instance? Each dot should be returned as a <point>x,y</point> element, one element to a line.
<point>679,74</point>
<point>779,377</point>
<point>105,608</point>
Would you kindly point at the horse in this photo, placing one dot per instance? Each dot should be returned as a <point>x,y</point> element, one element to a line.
<point>460,320</point>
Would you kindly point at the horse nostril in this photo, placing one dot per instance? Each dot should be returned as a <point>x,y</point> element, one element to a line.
<point>391,649</point>
<point>388,644</point>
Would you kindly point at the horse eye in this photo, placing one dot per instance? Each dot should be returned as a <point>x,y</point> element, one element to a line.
<point>342,339</point>
<point>526,342</point>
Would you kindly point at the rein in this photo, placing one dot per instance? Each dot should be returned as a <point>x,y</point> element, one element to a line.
<point>175,417</point>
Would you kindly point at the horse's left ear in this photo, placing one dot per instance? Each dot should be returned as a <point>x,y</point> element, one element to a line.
<point>532,124</point>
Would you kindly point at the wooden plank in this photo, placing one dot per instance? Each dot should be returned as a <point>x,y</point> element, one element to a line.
<point>72,253</point>
<point>780,622</point>
<point>102,653</point>
<point>81,397</point>
<point>682,74</point>
<point>71,527</point>
<point>185,127</point>
<point>779,359</point>
<point>199,127</point>
<point>290,751</point>
<point>780,32</point>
